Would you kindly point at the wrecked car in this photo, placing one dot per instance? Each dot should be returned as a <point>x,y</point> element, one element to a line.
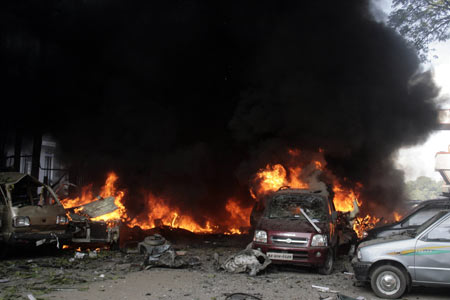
<point>85,230</point>
<point>30,212</point>
<point>418,215</point>
<point>394,264</point>
<point>298,227</point>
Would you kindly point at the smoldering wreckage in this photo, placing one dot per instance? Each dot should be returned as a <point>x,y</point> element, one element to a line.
<point>33,217</point>
<point>315,97</point>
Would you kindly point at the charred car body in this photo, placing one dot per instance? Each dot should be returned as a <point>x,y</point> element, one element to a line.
<point>298,227</point>
<point>30,212</point>
<point>87,231</point>
<point>395,263</point>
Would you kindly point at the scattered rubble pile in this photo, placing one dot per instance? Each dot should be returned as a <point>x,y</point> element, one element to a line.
<point>67,270</point>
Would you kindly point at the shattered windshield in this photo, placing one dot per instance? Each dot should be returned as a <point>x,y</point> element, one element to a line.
<point>289,205</point>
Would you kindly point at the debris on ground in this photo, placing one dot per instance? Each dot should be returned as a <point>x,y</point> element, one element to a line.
<point>241,296</point>
<point>248,260</point>
<point>160,253</point>
<point>323,289</point>
<point>343,297</point>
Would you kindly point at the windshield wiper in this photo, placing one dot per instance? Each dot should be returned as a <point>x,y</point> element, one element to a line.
<point>310,221</point>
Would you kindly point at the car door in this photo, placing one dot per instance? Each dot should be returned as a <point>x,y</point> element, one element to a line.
<point>432,254</point>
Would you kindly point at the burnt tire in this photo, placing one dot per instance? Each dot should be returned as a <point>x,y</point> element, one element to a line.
<point>388,281</point>
<point>328,266</point>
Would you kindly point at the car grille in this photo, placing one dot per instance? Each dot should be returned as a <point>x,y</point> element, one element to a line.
<point>289,241</point>
<point>296,254</point>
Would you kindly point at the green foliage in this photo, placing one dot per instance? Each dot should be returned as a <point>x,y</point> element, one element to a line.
<point>421,22</point>
<point>424,188</point>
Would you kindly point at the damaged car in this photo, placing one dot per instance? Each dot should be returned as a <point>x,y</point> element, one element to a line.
<point>30,212</point>
<point>298,227</point>
<point>417,258</point>
<point>418,215</point>
<point>86,230</point>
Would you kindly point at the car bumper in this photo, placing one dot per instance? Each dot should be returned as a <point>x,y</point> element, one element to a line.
<point>361,269</point>
<point>307,256</point>
<point>43,237</point>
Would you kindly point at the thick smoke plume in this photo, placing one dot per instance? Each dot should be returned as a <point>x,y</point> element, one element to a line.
<point>188,99</point>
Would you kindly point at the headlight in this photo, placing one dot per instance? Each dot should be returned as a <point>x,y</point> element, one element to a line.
<point>20,221</point>
<point>63,220</point>
<point>319,240</point>
<point>358,254</point>
<point>260,236</point>
<point>365,234</point>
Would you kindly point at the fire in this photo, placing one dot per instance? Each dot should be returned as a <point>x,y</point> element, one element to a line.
<point>160,213</point>
<point>397,216</point>
<point>239,217</point>
<point>343,198</point>
<point>363,224</point>
<point>273,177</point>
<point>108,190</point>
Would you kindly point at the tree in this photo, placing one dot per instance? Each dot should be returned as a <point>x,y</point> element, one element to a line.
<point>424,188</point>
<point>421,22</point>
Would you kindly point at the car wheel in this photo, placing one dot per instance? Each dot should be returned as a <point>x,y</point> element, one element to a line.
<point>327,267</point>
<point>388,281</point>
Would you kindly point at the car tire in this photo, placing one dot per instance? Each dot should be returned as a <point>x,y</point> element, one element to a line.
<point>328,266</point>
<point>388,281</point>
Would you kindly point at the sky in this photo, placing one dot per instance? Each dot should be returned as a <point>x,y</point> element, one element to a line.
<point>419,160</point>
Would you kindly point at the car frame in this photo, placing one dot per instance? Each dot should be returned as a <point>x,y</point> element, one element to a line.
<point>30,212</point>
<point>394,264</point>
<point>305,243</point>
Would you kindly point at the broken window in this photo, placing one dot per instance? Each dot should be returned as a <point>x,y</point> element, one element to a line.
<point>288,206</point>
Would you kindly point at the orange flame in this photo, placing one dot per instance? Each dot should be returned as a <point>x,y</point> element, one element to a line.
<point>108,190</point>
<point>273,177</point>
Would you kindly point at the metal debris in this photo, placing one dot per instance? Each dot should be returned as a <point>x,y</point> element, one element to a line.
<point>159,253</point>
<point>324,289</point>
<point>248,260</point>
<point>241,296</point>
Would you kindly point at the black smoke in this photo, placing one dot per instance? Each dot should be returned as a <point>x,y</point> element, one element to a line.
<point>188,99</point>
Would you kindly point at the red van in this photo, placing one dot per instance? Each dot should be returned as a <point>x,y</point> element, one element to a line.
<point>298,227</point>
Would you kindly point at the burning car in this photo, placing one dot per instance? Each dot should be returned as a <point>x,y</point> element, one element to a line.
<point>298,227</point>
<point>86,230</point>
<point>393,264</point>
<point>30,212</point>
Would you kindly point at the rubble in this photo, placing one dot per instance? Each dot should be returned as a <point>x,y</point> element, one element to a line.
<point>248,260</point>
<point>160,253</point>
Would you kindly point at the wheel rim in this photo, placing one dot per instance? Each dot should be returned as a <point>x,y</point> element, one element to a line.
<point>388,283</point>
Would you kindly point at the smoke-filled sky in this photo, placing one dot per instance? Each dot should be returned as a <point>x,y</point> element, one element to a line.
<point>188,99</point>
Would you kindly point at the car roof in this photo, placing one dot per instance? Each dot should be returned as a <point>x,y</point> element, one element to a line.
<point>433,202</point>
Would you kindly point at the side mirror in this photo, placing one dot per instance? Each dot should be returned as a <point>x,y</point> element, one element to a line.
<point>334,216</point>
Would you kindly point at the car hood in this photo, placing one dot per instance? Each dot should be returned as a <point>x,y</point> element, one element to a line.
<point>397,237</point>
<point>296,225</point>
